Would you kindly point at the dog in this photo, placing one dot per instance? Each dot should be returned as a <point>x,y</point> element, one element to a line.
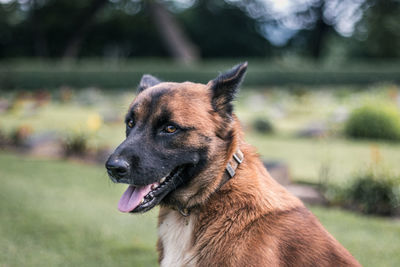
<point>185,150</point>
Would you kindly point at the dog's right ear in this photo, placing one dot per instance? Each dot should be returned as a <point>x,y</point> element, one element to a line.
<point>225,87</point>
<point>146,82</point>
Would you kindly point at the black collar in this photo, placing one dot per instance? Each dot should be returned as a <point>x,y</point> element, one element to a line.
<point>230,171</point>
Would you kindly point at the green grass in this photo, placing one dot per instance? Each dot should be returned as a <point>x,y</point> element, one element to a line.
<point>372,241</point>
<point>56,213</point>
<point>65,214</point>
<point>340,157</point>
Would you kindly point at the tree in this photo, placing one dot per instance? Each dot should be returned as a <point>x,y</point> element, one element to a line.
<point>81,26</point>
<point>222,29</point>
<point>379,30</point>
<point>177,43</point>
<point>314,29</point>
<point>39,39</point>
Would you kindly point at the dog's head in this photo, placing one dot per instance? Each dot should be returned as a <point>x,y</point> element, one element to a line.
<point>177,139</point>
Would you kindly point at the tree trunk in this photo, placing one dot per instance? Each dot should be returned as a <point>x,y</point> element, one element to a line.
<point>319,36</point>
<point>82,25</point>
<point>319,33</point>
<point>173,36</point>
<point>39,40</point>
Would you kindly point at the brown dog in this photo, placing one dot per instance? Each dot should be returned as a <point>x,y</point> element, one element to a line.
<point>219,206</point>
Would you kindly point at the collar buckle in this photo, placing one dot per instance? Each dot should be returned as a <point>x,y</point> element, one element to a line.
<point>238,156</point>
<point>230,170</point>
<point>234,164</point>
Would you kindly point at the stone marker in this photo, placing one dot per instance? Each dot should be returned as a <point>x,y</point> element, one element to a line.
<point>279,171</point>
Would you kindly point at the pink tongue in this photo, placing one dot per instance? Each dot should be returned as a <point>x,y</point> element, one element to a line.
<point>132,197</point>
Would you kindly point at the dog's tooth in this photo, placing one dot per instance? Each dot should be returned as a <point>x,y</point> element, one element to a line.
<point>162,180</point>
<point>154,186</point>
<point>141,201</point>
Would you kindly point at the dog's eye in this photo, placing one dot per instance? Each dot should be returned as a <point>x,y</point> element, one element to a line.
<point>130,124</point>
<point>170,129</point>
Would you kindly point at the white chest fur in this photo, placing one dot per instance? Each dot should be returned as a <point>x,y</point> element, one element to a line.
<point>176,233</point>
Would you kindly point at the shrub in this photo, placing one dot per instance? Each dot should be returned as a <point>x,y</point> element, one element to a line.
<point>370,192</point>
<point>3,139</point>
<point>75,144</point>
<point>20,134</point>
<point>263,125</point>
<point>30,74</point>
<point>374,122</point>
<point>373,194</point>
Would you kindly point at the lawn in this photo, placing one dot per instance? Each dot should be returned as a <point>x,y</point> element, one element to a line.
<point>58,213</point>
<point>65,214</point>
<point>342,159</point>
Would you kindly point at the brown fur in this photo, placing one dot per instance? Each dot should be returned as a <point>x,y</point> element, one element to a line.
<point>258,223</point>
<point>251,220</point>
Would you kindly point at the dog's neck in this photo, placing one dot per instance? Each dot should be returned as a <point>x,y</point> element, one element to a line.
<point>231,166</point>
<point>234,155</point>
<point>230,171</point>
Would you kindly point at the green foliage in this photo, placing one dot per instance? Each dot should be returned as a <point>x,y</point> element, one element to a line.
<point>3,139</point>
<point>225,30</point>
<point>28,74</point>
<point>123,29</point>
<point>20,134</point>
<point>75,144</point>
<point>382,22</point>
<point>263,125</point>
<point>219,28</point>
<point>371,193</point>
<point>374,122</point>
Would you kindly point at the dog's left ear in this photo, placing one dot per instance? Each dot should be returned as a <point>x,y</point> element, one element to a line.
<point>146,82</point>
<point>225,87</point>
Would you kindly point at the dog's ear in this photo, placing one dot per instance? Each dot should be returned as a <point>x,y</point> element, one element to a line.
<point>225,87</point>
<point>146,82</point>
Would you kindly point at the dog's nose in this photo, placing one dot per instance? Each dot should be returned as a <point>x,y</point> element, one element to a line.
<point>117,168</point>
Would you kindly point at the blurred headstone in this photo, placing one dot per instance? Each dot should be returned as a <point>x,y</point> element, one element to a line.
<point>307,194</point>
<point>66,94</point>
<point>314,130</point>
<point>340,114</point>
<point>90,97</point>
<point>44,144</point>
<point>279,171</point>
<point>4,105</point>
<point>41,98</point>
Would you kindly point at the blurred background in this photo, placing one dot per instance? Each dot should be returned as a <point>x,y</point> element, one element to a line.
<point>321,102</point>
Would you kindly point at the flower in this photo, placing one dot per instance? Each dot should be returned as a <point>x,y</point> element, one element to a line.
<point>94,122</point>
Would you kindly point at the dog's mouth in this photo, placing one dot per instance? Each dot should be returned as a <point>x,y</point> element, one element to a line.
<point>144,198</point>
